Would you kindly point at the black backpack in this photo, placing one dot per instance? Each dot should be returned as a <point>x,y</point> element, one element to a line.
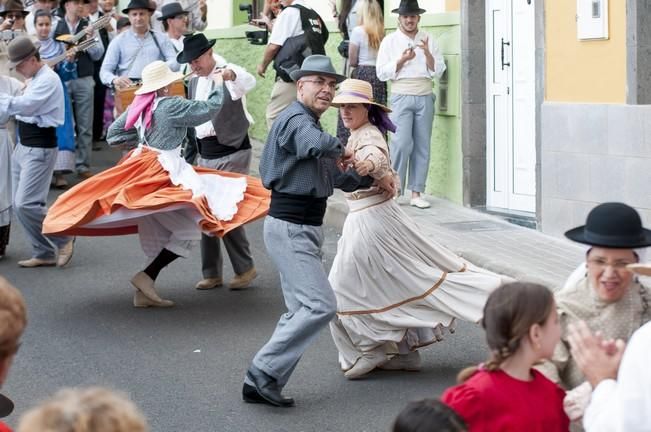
<point>295,49</point>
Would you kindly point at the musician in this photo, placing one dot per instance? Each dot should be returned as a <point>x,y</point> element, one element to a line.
<point>81,86</point>
<point>197,10</point>
<point>135,48</point>
<point>223,145</point>
<point>34,156</point>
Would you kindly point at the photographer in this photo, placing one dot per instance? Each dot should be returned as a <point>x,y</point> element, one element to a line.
<point>287,51</point>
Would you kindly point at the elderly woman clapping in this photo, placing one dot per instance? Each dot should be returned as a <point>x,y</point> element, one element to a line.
<point>603,292</point>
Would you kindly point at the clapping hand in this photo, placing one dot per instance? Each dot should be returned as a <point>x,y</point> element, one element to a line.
<point>597,358</point>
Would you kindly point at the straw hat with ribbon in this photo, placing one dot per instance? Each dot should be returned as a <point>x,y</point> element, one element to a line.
<point>356,91</point>
<point>157,75</point>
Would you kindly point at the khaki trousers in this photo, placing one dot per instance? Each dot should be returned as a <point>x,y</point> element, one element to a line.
<point>282,95</point>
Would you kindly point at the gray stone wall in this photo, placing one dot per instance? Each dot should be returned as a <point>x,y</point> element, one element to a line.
<point>593,153</point>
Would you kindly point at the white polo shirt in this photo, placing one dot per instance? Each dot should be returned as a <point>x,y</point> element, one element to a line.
<point>288,24</point>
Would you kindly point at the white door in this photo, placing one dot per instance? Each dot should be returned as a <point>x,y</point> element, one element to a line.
<point>511,104</point>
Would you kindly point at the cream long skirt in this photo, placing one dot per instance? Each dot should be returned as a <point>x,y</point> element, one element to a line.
<point>395,287</point>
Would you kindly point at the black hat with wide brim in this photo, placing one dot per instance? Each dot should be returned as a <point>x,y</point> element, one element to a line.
<point>6,406</point>
<point>14,6</point>
<point>612,225</point>
<point>172,10</point>
<point>138,4</point>
<point>409,7</point>
<point>194,46</point>
<point>316,64</point>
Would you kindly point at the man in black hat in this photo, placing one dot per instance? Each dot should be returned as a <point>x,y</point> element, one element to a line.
<point>175,23</point>
<point>298,165</point>
<point>410,59</point>
<point>223,144</point>
<point>197,13</point>
<point>81,88</point>
<point>33,158</point>
<point>13,16</point>
<point>135,48</point>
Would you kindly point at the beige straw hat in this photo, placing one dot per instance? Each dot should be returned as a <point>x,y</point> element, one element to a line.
<point>356,91</point>
<point>157,75</point>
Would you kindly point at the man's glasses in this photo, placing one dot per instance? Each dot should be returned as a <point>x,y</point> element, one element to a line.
<point>323,83</point>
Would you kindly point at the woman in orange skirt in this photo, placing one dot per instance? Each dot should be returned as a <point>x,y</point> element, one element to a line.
<point>153,191</point>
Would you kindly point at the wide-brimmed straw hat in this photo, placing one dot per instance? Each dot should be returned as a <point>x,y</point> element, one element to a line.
<point>157,75</point>
<point>316,64</point>
<point>612,225</point>
<point>20,49</point>
<point>356,91</point>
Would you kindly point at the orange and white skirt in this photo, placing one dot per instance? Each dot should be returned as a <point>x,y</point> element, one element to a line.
<point>150,182</point>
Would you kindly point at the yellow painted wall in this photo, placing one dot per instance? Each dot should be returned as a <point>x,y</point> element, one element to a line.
<point>584,71</point>
<point>452,5</point>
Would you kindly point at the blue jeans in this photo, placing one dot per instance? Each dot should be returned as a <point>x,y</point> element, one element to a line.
<point>410,145</point>
<point>310,301</point>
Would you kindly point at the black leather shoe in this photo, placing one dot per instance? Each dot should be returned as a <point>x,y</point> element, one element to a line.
<point>268,392</point>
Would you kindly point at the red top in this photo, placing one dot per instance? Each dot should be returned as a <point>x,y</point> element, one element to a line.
<point>495,401</point>
<point>4,427</point>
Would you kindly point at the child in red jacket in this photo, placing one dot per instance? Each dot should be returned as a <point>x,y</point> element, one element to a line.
<point>506,393</point>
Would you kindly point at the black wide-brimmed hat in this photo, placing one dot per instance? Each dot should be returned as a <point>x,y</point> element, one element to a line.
<point>409,7</point>
<point>138,4</point>
<point>612,225</point>
<point>14,6</point>
<point>193,47</point>
<point>316,64</point>
<point>172,10</point>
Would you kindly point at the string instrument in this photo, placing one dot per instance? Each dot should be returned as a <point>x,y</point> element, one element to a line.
<point>68,71</point>
<point>104,21</point>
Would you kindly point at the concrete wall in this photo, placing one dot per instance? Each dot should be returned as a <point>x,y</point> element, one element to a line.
<point>584,70</point>
<point>593,153</point>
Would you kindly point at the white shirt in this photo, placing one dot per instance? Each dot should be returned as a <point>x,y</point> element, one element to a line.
<point>29,107</point>
<point>391,49</point>
<point>367,56</point>
<point>625,405</point>
<point>244,82</point>
<point>288,24</point>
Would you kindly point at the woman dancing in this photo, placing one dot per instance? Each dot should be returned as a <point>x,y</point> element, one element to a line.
<point>396,290</point>
<point>153,191</point>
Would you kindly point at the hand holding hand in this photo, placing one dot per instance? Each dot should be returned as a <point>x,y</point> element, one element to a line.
<point>364,167</point>
<point>388,186</point>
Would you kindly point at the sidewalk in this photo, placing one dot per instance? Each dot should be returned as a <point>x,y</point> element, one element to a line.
<point>482,239</point>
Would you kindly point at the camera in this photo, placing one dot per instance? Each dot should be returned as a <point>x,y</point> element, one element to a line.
<point>248,7</point>
<point>258,37</point>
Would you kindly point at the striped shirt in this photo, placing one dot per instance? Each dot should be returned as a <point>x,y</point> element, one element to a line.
<point>299,157</point>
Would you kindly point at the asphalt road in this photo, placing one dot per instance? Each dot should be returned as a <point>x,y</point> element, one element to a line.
<point>184,366</point>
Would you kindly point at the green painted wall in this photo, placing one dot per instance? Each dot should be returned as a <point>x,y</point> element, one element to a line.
<point>445,175</point>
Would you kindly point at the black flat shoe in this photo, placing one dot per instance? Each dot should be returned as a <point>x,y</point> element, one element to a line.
<point>267,393</point>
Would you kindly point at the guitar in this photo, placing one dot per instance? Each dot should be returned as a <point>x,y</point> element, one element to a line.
<point>104,21</point>
<point>68,71</point>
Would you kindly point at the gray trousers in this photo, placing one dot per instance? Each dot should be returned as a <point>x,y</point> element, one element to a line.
<point>310,301</point>
<point>410,145</point>
<point>82,96</point>
<point>235,242</point>
<point>31,173</point>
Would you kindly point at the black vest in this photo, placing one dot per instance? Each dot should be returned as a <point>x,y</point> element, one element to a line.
<point>85,65</point>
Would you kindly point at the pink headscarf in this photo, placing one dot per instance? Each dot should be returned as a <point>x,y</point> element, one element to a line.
<point>142,104</point>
